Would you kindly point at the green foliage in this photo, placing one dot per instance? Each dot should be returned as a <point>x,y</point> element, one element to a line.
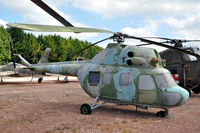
<point>4,46</point>
<point>31,47</point>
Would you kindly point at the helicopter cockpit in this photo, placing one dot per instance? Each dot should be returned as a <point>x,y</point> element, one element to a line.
<point>188,57</point>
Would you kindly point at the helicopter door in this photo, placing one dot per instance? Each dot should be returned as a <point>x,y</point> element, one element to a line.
<point>125,87</point>
<point>108,88</point>
<point>147,93</point>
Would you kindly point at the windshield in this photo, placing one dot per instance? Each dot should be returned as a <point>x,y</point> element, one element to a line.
<point>188,57</point>
<point>165,80</point>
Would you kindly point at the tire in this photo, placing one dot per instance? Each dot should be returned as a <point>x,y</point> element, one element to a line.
<point>66,80</point>
<point>85,109</point>
<point>196,90</point>
<point>40,80</point>
<point>161,114</point>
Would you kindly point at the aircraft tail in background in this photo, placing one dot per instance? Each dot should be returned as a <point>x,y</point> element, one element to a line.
<point>44,57</point>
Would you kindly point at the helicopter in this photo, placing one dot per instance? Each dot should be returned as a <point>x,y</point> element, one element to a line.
<point>16,70</point>
<point>121,74</point>
<point>184,67</point>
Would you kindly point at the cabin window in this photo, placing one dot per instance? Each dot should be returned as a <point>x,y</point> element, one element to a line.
<point>146,82</point>
<point>124,79</point>
<point>94,78</point>
<point>107,78</point>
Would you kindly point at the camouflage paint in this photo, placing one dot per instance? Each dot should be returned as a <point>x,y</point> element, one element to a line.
<point>126,93</point>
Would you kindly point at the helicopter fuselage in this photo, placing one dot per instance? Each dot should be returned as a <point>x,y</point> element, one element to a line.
<point>131,86</point>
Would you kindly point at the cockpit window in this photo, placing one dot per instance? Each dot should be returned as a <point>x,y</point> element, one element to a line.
<point>146,82</point>
<point>188,57</point>
<point>165,80</point>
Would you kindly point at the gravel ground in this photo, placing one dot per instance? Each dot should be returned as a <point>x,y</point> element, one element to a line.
<point>54,107</point>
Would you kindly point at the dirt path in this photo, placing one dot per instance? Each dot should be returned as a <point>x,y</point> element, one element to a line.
<point>54,107</point>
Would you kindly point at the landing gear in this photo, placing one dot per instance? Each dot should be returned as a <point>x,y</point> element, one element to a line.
<point>1,78</point>
<point>66,80</point>
<point>58,79</point>
<point>87,109</point>
<point>162,113</point>
<point>40,80</point>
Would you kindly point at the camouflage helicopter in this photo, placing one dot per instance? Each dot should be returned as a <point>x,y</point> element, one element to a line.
<point>121,74</point>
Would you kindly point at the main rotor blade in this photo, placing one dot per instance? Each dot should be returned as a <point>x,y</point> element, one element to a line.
<point>192,40</point>
<point>164,45</point>
<point>145,44</point>
<point>50,11</point>
<point>51,28</point>
<point>164,38</point>
<point>170,40</point>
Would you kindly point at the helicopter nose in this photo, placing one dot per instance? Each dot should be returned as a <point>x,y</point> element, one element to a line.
<point>175,96</point>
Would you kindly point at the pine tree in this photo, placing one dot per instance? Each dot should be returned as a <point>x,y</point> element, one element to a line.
<point>4,46</point>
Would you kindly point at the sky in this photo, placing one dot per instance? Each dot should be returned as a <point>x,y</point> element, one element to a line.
<point>163,18</point>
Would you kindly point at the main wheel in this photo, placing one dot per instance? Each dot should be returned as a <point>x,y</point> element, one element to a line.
<point>66,80</point>
<point>161,113</point>
<point>85,109</point>
<point>40,80</point>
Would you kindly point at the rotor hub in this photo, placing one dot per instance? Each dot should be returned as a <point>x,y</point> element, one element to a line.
<point>119,37</point>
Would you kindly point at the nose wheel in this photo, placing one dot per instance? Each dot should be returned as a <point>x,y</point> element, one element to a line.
<point>86,109</point>
<point>162,113</point>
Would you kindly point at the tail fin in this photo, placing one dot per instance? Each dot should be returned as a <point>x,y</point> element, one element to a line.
<point>25,62</point>
<point>44,58</point>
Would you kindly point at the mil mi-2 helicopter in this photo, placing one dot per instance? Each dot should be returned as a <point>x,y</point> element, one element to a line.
<point>184,67</point>
<point>121,74</point>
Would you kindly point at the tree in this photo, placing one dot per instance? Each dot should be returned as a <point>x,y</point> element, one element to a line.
<point>31,47</point>
<point>4,46</point>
